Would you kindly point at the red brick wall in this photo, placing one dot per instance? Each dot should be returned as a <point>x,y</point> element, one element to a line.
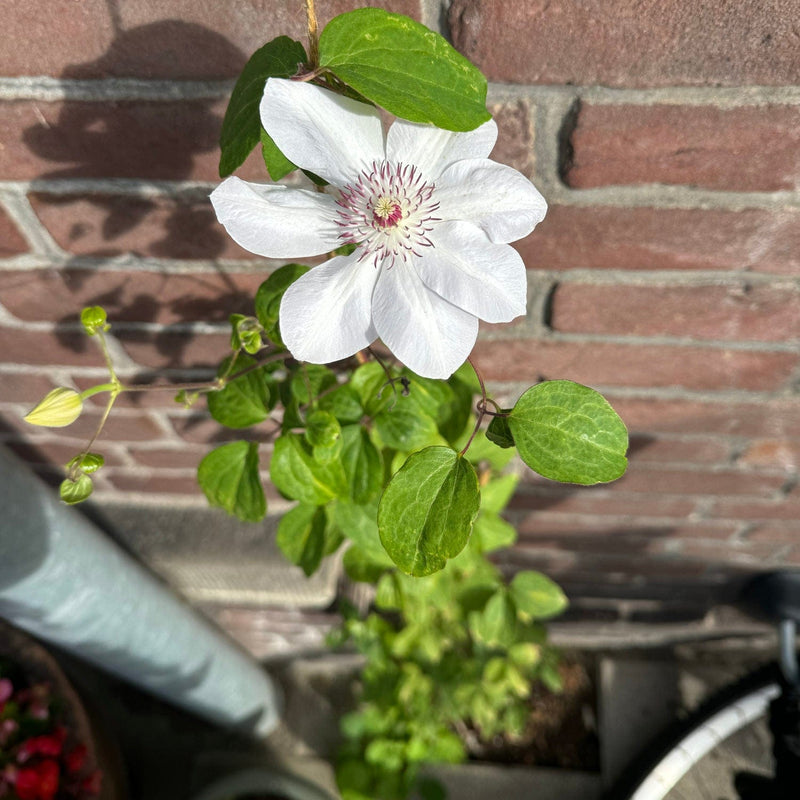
<point>664,135</point>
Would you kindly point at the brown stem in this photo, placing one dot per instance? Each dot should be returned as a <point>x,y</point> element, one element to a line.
<point>313,36</point>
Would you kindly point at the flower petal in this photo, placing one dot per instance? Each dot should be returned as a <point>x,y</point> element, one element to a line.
<point>326,314</point>
<point>432,150</point>
<point>497,198</point>
<point>274,221</point>
<point>471,272</point>
<point>429,335</point>
<point>330,135</point>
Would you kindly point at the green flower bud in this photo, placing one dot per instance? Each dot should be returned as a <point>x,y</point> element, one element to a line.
<point>75,491</point>
<point>59,408</point>
<point>93,319</point>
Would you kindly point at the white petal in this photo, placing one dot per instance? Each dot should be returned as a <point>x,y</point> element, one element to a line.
<point>432,150</point>
<point>429,335</point>
<point>274,221</point>
<point>330,135</point>
<point>497,198</point>
<point>471,272</point>
<point>326,314</point>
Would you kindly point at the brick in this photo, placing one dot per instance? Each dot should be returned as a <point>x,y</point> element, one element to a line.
<point>181,457</point>
<point>23,388</point>
<point>200,428</point>
<point>778,418</point>
<point>165,140</point>
<point>55,453</point>
<point>630,43</point>
<point>12,242</point>
<point>155,483</point>
<point>168,349</point>
<point>730,313</point>
<point>751,555</point>
<point>599,502</point>
<point>128,296</point>
<point>109,225</point>
<point>128,427</point>
<point>688,482</point>
<point>604,237</point>
<point>777,533</point>
<point>175,39</point>
<point>607,364</point>
<point>59,349</point>
<point>713,148</point>
<point>782,508</point>
<point>783,454</point>
<point>696,450</point>
<point>514,137</point>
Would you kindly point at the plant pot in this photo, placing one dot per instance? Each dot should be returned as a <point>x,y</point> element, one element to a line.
<point>37,666</point>
<point>262,783</point>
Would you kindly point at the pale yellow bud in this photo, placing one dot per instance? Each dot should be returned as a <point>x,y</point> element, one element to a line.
<point>59,408</point>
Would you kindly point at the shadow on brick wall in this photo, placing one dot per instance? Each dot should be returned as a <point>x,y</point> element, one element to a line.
<point>139,140</point>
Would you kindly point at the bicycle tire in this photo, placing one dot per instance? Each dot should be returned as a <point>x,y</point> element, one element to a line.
<point>698,758</point>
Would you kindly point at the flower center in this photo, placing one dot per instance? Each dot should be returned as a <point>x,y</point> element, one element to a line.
<point>388,211</point>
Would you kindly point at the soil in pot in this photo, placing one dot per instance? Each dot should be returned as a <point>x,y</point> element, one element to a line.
<point>561,730</point>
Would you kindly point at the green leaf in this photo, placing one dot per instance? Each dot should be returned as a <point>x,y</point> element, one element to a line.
<point>405,427</point>
<point>492,532</point>
<point>359,525</point>
<point>296,473</point>
<point>229,479</point>
<point>569,433</point>
<point>497,492</point>
<point>269,296</point>
<point>496,625</point>
<point>242,124</point>
<point>363,466</point>
<point>427,510</point>
<point>75,491</point>
<point>360,567</point>
<point>275,161</point>
<point>499,432</point>
<point>310,380</point>
<point>343,403</point>
<point>407,69</point>
<point>301,536</point>
<point>87,463</point>
<point>370,382</point>
<point>536,596</point>
<point>245,401</point>
<point>322,429</point>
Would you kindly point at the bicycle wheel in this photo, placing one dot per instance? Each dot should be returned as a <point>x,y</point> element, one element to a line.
<point>729,734</point>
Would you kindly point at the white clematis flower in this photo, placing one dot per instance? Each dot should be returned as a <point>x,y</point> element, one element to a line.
<point>430,214</point>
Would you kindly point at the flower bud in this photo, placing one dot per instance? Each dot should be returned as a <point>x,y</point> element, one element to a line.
<point>59,408</point>
<point>93,319</point>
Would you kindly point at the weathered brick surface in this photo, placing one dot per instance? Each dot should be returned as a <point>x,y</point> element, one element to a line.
<point>64,348</point>
<point>128,296</point>
<point>600,502</point>
<point>168,349</point>
<point>22,388</point>
<point>181,457</point>
<point>606,237</point>
<point>739,313</point>
<point>165,140</point>
<point>629,43</point>
<point>177,39</point>
<point>784,454</point>
<point>109,225</point>
<point>12,243</point>
<point>515,136</point>
<point>606,364</point>
<point>199,428</point>
<point>778,508</point>
<point>716,148</point>
<point>696,450</point>
<point>778,418</point>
